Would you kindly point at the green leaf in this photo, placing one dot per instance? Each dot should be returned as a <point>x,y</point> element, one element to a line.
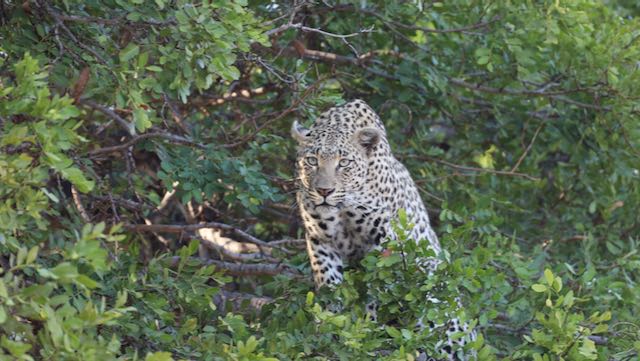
<point>393,332</point>
<point>539,288</point>
<point>31,256</point>
<point>65,271</point>
<point>87,282</point>
<point>3,290</point>
<point>309,300</point>
<point>129,52</point>
<point>75,176</point>
<point>15,348</point>
<point>22,255</point>
<point>159,356</point>
<point>141,118</point>
<point>548,275</point>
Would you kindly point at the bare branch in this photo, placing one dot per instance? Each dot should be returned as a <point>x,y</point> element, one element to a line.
<point>319,31</point>
<point>235,269</point>
<point>480,170</point>
<point>557,95</point>
<point>78,202</point>
<point>298,243</point>
<point>177,228</point>
<point>128,127</point>
<point>168,136</point>
<point>235,256</point>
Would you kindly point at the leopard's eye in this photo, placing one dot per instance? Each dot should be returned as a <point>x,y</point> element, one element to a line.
<point>312,161</point>
<point>344,162</point>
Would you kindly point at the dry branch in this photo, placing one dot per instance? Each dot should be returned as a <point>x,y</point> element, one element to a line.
<point>235,256</point>
<point>177,228</point>
<point>78,202</point>
<point>235,269</point>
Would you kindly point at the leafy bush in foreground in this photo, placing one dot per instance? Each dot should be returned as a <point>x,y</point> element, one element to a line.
<point>127,127</point>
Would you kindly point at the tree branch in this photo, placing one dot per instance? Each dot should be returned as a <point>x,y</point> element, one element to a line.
<point>235,256</point>
<point>557,95</point>
<point>180,228</point>
<point>168,136</point>
<point>128,127</point>
<point>481,170</point>
<point>234,269</point>
<point>526,151</point>
<point>319,31</point>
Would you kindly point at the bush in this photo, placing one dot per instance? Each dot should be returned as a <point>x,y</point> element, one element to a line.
<point>146,177</point>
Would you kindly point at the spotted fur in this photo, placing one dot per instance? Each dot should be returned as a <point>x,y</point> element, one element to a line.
<point>350,188</point>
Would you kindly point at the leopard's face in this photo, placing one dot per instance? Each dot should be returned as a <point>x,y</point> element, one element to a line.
<point>332,165</point>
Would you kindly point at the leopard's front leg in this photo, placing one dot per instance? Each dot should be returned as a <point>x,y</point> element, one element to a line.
<point>326,262</point>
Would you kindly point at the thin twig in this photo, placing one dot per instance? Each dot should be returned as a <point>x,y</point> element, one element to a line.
<point>526,151</point>
<point>60,23</point>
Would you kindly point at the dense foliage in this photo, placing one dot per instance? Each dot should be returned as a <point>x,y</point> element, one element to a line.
<point>146,177</point>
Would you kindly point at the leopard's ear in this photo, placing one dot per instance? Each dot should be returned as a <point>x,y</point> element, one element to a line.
<point>299,132</point>
<point>368,138</point>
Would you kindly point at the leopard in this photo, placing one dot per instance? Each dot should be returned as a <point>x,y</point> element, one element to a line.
<point>350,188</point>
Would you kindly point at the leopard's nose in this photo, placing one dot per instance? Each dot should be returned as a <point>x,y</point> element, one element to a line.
<point>325,191</point>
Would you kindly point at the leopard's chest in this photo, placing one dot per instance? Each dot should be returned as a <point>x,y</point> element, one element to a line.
<point>351,231</point>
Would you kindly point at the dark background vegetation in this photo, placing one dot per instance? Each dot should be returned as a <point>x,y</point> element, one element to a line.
<point>146,176</point>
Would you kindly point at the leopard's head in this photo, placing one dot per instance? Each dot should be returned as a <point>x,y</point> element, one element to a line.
<point>333,160</point>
